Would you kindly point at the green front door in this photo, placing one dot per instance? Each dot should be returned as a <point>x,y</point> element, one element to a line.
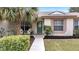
<point>39,27</point>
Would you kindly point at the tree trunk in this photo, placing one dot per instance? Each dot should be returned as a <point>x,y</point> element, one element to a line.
<point>33,27</point>
<point>17,27</point>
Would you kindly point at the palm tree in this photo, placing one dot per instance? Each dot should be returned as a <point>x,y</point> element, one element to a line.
<point>13,15</point>
<point>20,15</point>
<point>17,15</point>
<point>32,17</point>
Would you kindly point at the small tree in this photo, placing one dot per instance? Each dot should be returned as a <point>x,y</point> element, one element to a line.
<point>74,9</point>
<point>48,30</point>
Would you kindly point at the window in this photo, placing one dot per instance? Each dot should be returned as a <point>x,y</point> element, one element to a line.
<point>76,24</point>
<point>58,25</point>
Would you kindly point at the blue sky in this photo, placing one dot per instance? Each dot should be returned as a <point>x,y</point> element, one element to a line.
<point>47,9</point>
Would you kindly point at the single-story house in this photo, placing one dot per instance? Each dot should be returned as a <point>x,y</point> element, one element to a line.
<point>62,24</point>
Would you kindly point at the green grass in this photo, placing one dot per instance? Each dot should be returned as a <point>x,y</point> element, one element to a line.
<point>61,44</point>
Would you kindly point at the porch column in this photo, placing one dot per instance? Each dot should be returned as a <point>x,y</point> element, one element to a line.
<point>34,28</point>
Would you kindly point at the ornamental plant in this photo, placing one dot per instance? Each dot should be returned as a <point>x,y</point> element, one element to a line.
<point>15,43</point>
<point>48,30</point>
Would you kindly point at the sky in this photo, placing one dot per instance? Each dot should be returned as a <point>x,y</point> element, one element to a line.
<point>47,9</point>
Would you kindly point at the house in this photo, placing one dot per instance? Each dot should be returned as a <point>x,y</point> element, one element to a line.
<point>62,24</point>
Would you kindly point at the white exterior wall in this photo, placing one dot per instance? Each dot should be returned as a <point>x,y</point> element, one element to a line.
<point>68,30</point>
<point>47,22</point>
<point>69,27</point>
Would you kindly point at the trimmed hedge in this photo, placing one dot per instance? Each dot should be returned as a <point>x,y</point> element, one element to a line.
<point>15,43</point>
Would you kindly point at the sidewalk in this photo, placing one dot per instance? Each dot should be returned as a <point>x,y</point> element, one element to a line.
<point>38,44</point>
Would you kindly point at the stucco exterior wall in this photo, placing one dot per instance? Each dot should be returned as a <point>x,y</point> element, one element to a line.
<point>69,27</point>
<point>68,31</point>
<point>47,22</point>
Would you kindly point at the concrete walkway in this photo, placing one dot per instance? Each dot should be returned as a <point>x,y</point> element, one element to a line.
<point>38,44</point>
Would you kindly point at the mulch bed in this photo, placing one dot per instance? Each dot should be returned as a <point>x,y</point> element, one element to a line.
<point>31,40</point>
<point>61,37</point>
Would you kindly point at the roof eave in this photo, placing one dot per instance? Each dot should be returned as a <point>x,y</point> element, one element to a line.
<point>72,16</point>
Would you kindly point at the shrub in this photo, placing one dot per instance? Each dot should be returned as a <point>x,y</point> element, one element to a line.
<point>76,32</point>
<point>48,30</point>
<point>14,43</point>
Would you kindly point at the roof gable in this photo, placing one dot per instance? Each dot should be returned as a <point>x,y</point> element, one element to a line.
<point>56,13</point>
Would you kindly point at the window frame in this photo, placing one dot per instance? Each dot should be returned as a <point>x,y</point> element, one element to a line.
<point>76,26</point>
<point>59,25</point>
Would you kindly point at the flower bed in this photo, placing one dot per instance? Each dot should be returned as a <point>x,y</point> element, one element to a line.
<point>61,37</point>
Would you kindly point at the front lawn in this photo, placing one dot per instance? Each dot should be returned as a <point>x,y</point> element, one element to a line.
<point>61,44</point>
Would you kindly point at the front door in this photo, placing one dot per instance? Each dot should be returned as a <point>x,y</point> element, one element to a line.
<point>39,27</point>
